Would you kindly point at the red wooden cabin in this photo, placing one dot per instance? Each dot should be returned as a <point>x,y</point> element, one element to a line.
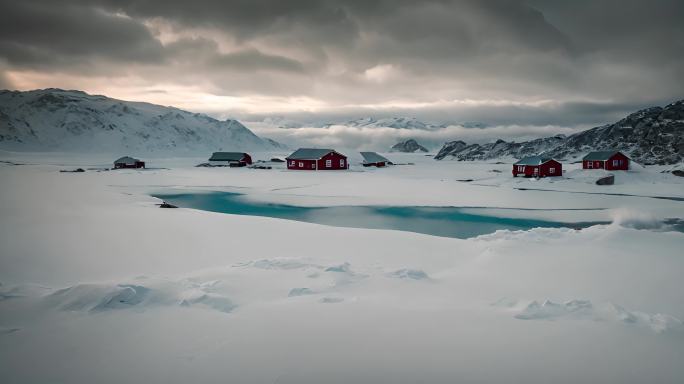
<point>537,166</point>
<point>128,162</point>
<point>231,158</point>
<point>609,160</point>
<point>314,159</point>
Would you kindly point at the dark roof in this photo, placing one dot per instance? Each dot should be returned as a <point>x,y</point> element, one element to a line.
<point>227,156</point>
<point>126,160</point>
<point>311,153</point>
<point>600,155</point>
<point>372,157</point>
<point>533,160</point>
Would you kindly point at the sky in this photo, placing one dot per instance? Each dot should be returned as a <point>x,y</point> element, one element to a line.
<point>535,63</point>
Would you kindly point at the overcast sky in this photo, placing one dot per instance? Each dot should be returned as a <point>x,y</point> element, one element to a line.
<point>536,62</point>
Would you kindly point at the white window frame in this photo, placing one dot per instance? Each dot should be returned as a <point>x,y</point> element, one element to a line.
<point>616,163</point>
<point>328,163</point>
<point>552,170</point>
<point>292,163</point>
<point>342,163</point>
<point>301,165</point>
<point>521,168</point>
<point>590,164</point>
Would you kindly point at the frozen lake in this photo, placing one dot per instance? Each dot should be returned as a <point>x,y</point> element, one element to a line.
<point>454,222</point>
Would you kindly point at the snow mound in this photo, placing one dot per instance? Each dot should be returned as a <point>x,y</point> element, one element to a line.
<point>550,310</point>
<point>278,264</point>
<point>95,298</point>
<point>23,290</point>
<point>300,292</point>
<point>534,234</point>
<point>210,300</point>
<point>414,274</point>
<point>100,297</point>
<point>342,268</point>
<point>331,300</point>
<point>586,310</point>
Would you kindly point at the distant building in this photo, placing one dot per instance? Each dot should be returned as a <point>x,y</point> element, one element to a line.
<point>537,166</point>
<point>609,160</point>
<point>372,159</point>
<point>313,159</point>
<point>128,162</point>
<point>234,159</point>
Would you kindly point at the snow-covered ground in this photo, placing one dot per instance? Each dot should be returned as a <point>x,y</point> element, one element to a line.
<point>100,285</point>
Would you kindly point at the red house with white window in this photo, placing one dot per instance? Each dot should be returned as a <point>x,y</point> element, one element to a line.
<point>609,160</point>
<point>537,166</point>
<point>315,159</point>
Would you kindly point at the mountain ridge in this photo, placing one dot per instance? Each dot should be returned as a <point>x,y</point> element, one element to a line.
<point>54,119</point>
<point>653,135</point>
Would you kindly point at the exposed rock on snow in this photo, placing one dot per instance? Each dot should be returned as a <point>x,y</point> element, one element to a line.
<point>55,119</point>
<point>650,136</point>
<point>607,180</point>
<point>408,146</point>
<point>459,150</point>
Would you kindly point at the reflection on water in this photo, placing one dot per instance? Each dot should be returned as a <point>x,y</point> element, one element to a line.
<point>437,221</point>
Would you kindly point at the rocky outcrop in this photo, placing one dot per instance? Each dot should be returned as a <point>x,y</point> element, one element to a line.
<point>408,146</point>
<point>607,180</point>
<point>650,136</point>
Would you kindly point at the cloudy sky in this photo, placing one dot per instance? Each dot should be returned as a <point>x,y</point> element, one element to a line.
<point>505,62</point>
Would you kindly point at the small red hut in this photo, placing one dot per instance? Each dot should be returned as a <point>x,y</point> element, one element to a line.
<point>537,166</point>
<point>128,162</point>
<point>314,159</point>
<point>239,159</point>
<point>609,160</point>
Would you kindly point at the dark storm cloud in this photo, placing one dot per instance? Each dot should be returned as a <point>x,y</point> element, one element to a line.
<point>590,59</point>
<point>44,34</point>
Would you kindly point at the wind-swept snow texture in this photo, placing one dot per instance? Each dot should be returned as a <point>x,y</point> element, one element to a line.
<point>99,285</point>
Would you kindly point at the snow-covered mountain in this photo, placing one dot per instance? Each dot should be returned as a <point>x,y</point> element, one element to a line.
<point>390,122</point>
<point>60,120</point>
<point>403,123</point>
<point>408,146</point>
<point>650,136</point>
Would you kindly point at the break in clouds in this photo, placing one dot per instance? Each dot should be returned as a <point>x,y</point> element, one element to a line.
<point>544,63</point>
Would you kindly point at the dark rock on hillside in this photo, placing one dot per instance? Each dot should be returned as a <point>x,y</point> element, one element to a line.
<point>608,180</point>
<point>650,136</point>
<point>408,146</point>
<point>450,148</point>
<point>458,150</point>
